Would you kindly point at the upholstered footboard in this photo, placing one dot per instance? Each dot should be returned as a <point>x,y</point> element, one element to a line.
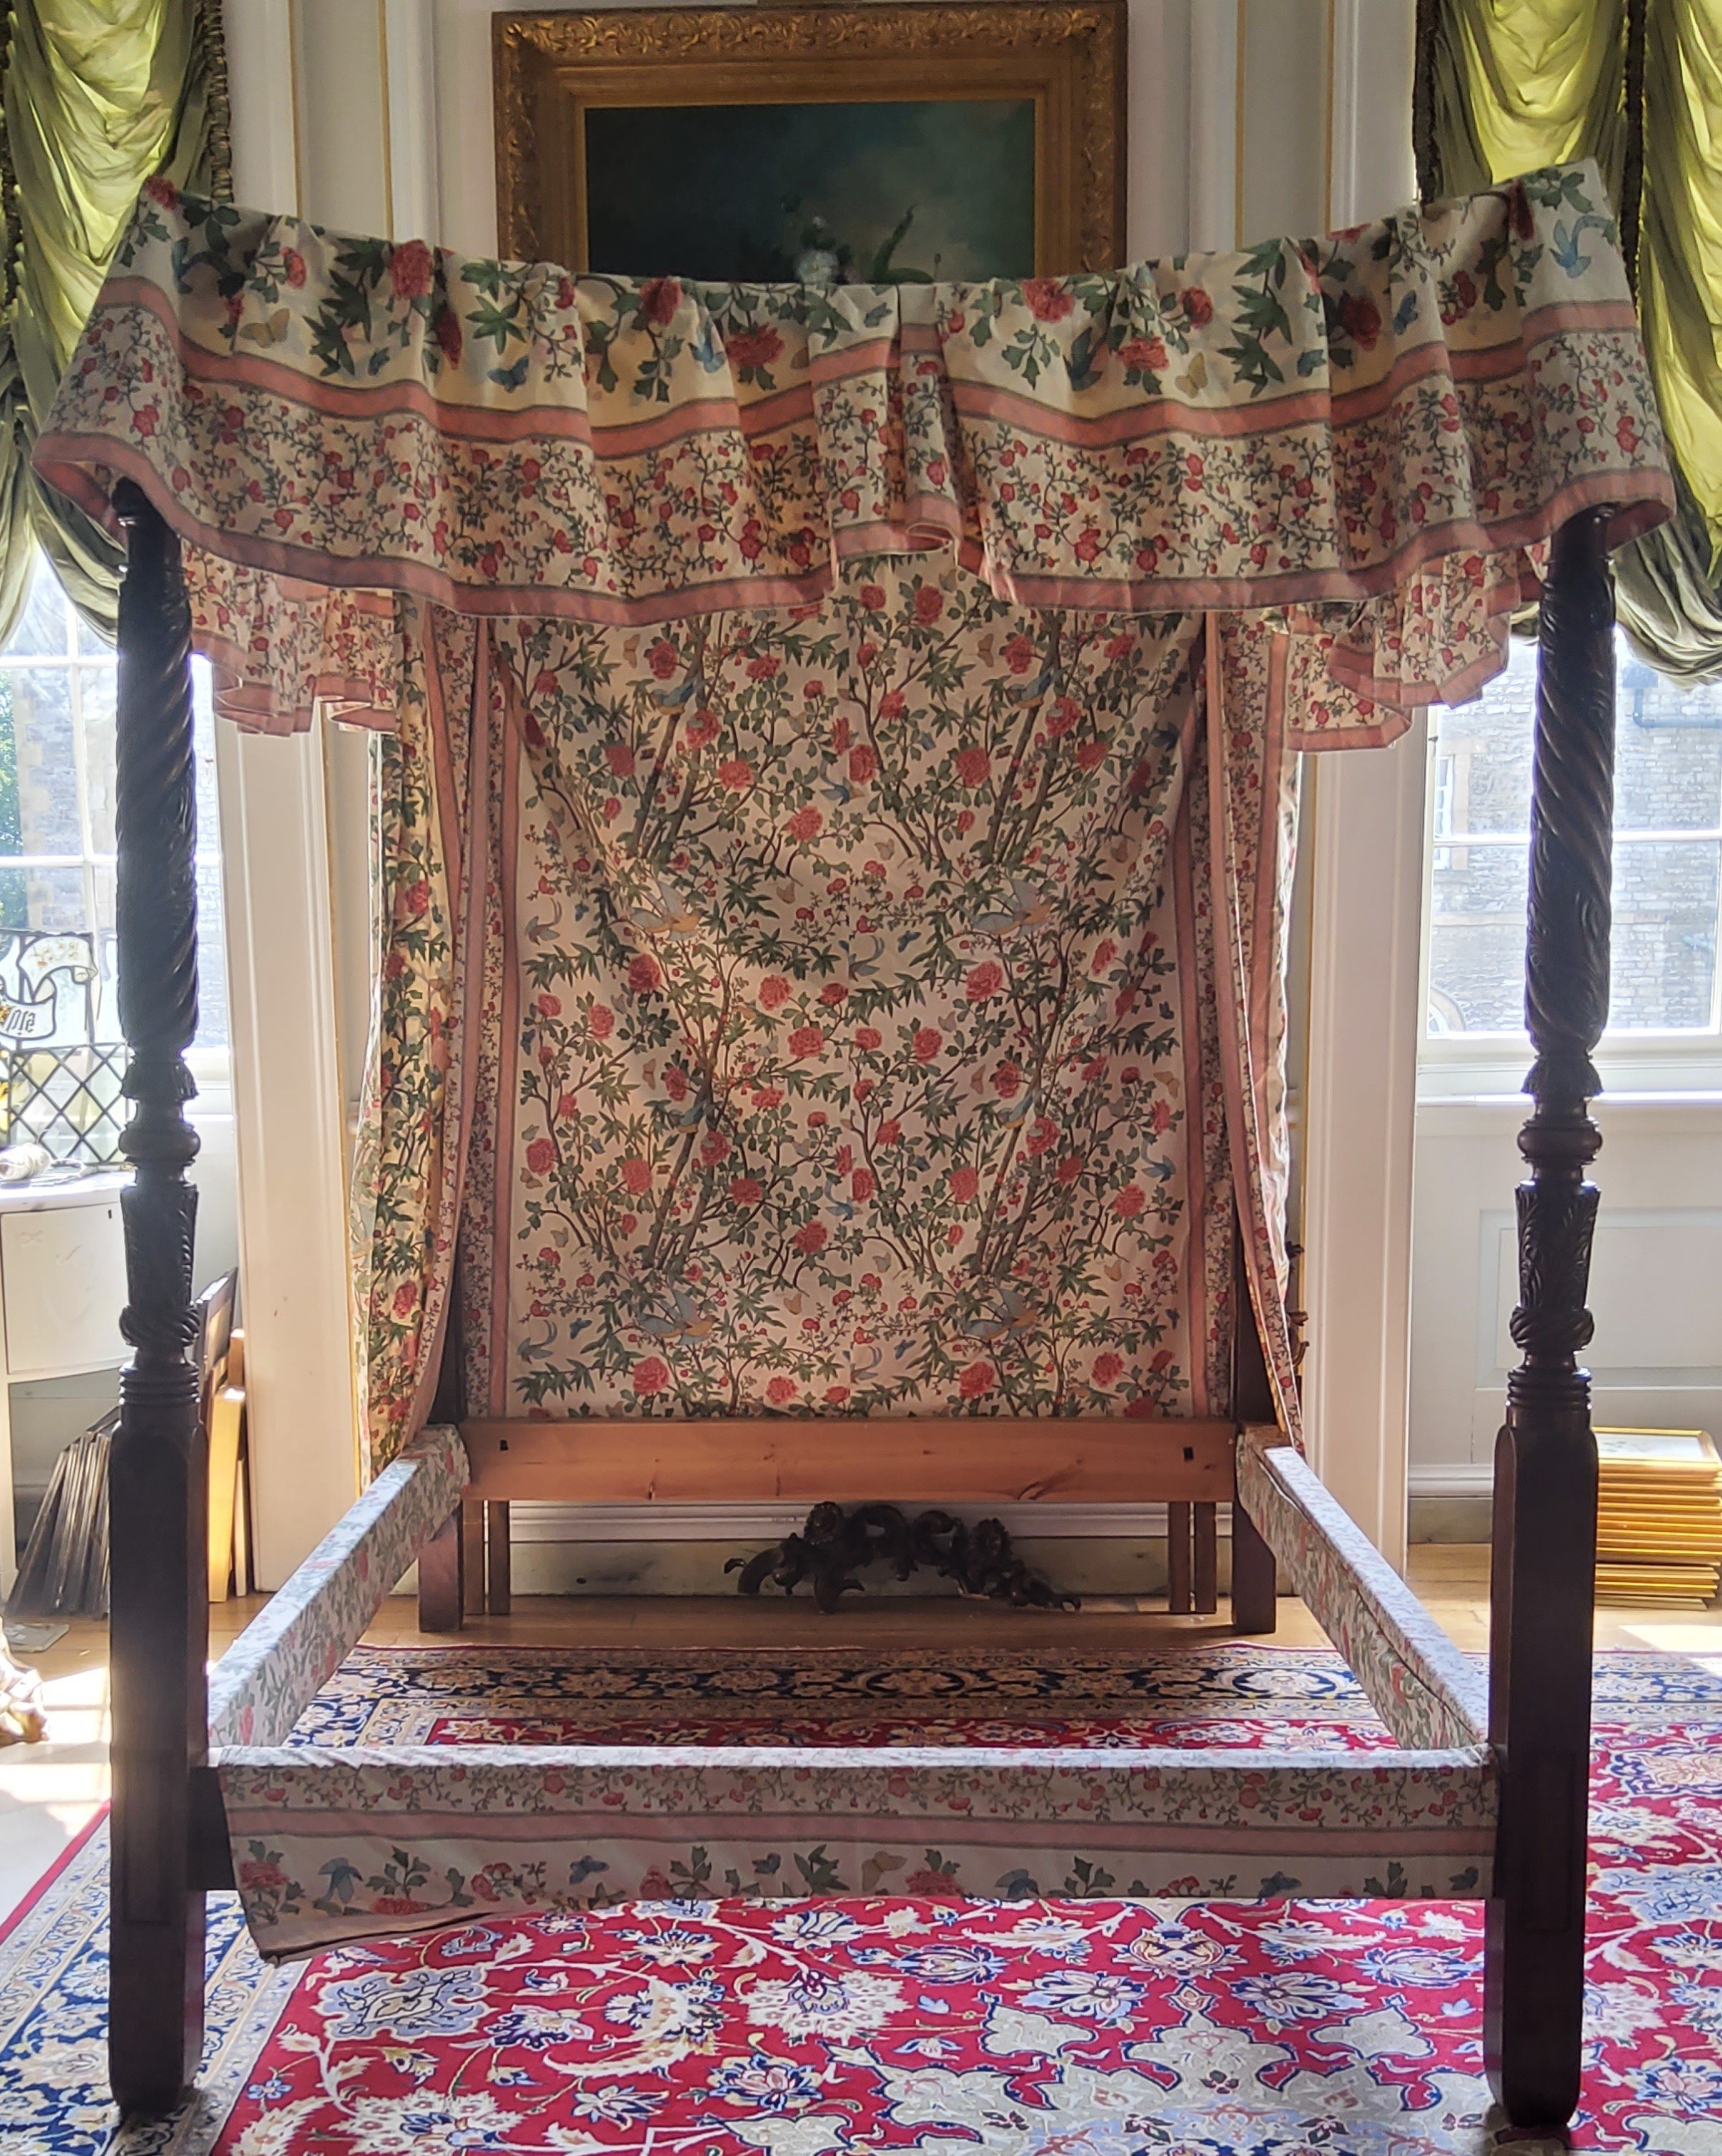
<point>334,1847</point>
<point>273,1671</point>
<point>1417,1680</point>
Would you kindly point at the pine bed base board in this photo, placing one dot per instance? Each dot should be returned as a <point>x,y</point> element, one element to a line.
<point>970,1461</point>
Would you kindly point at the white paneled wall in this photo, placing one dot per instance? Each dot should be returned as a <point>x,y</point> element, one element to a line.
<point>1656,1279</point>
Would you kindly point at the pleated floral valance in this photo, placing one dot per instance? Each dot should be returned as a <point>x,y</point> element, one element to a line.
<point>1364,430</point>
<point>839,815</point>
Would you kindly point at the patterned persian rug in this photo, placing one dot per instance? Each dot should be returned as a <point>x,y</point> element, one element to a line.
<point>1083,2026</point>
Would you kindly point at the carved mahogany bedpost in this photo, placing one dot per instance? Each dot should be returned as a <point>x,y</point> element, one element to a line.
<point>159,1594</point>
<point>1545,1554</point>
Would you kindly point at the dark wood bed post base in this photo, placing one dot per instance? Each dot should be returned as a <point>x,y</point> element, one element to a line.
<point>1543,1582</point>
<point>160,1609</point>
<point>442,1578</point>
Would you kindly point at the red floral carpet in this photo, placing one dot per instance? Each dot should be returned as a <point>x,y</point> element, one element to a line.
<point>1086,2026</point>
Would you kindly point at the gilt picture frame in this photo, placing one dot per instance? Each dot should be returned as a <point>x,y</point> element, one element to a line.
<point>896,141</point>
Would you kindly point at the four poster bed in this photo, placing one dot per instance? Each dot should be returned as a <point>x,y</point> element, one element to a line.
<point>838,781</point>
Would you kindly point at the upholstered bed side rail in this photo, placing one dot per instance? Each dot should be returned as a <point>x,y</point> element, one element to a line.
<point>1418,1681</point>
<point>266,1679</point>
<point>334,1847</point>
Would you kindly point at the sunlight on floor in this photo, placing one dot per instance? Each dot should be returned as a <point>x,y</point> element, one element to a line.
<point>49,1792</point>
<point>1696,1638</point>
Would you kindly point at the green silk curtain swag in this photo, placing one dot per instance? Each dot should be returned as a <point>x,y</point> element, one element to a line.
<point>1637,84</point>
<point>95,96</point>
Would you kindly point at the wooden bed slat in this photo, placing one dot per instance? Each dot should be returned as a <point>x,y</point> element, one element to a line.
<point>966,1460</point>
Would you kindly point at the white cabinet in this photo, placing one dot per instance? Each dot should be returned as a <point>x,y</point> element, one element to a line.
<point>62,1285</point>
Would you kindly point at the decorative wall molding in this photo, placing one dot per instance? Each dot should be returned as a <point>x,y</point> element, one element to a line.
<point>261,69</point>
<point>412,164</point>
<point>288,1139</point>
<point>1365,840</point>
<point>1215,152</point>
<point>291,1143</point>
<point>1471,1478</point>
<point>1360,1114</point>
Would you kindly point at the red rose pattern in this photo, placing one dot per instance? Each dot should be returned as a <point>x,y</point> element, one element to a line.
<point>659,300</point>
<point>749,350</point>
<point>412,269</point>
<point>807,1150</point>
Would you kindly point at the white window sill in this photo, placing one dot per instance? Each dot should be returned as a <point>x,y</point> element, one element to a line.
<point>1666,1068</point>
<point>1670,1115</point>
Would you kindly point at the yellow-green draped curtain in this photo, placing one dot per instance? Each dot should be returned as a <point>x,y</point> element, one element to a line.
<point>95,96</point>
<point>1505,86</point>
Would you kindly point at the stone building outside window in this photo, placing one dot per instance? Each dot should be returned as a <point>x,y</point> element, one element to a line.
<point>57,843</point>
<point>1665,1020</point>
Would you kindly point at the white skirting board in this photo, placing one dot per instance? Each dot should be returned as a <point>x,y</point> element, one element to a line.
<point>682,1549</point>
<point>769,1523</point>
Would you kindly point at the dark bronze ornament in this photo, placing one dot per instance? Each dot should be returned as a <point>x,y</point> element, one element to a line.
<point>834,1545</point>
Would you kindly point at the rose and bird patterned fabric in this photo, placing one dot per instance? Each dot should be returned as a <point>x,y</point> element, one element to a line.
<point>841,755</point>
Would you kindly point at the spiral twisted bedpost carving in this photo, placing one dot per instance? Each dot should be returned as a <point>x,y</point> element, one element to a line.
<point>1545,1457</point>
<point>1566,964</point>
<point>158,1495</point>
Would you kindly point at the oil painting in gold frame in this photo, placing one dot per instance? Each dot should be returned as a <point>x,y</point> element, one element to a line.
<point>890,142</point>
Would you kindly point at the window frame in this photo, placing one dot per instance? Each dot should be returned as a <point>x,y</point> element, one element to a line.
<point>1684,1064</point>
<point>210,1064</point>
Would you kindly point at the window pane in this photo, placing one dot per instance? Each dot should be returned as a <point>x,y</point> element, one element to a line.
<point>42,899</point>
<point>46,764</point>
<point>211,958</point>
<point>1664,953</point>
<point>1476,939</point>
<point>97,688</point>
<point>107,988</point>
<point>10,841</point>
<point>1482,753</point>
<point>51,991</point>
<point>57,784</point>
<point>203,727</point>
<point>1668,753</point>
<point>43,632</point>
<point>1667,892</point>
